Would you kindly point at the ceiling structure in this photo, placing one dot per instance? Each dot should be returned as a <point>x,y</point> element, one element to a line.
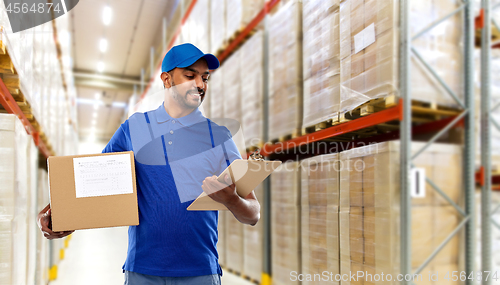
<point>135,26</point>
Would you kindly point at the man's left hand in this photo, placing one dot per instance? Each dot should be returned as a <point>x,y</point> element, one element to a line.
<point>224,193</point>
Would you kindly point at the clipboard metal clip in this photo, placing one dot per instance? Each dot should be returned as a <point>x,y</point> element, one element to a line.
<point>256,155</point>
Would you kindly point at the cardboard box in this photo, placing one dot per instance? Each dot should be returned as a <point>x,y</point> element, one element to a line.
<point>93,191</point>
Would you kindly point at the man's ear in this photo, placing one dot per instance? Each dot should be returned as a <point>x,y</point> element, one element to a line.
<point>166,78</point>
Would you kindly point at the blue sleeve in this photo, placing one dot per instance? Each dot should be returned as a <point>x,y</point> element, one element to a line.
<point>231,154</point>
<point>120,140</point>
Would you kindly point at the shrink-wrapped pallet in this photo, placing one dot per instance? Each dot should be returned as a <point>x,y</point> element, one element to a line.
<point>251,74</point>
<point>285,71</point>
<point>320,214</point>
<point>321,48</point>
<point>285,222</point>
<point>234,240</point>
<point>494,102</point>
<point>215,84</point>
<point>232,99</point>
<point>14,195</point>
<point>495,232</point>
<point>21,194</point>
<point>222,242</point>
<point>239,13</point>
<point>195,29</point>
<point>7,194</point>
<point>370,211</point>
<point>231,84</point>
<point>253,240</point>
<point>217,25</point>
<point>369,51</point>
<point>33,209</point>
<point>42,265</point>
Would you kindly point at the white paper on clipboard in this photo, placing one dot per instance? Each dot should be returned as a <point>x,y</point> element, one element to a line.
<point>246,175</point>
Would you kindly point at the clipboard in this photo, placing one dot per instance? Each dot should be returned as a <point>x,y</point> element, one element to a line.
<point>245,174</point>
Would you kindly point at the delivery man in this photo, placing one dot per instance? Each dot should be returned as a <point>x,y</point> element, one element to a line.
<point>178,153</point>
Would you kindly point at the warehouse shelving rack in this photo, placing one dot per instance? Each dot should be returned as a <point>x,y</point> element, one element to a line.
<point>402,113</point>
<point>11,106</point>
<point>487,121</point>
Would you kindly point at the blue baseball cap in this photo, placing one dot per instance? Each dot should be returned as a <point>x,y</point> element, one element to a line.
<point>185,55</point>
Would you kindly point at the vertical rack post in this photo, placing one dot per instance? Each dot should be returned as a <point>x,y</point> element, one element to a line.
<point>405,131</point>
<point>469,151</point>
<point>485,141</point>
<point>266,263</point>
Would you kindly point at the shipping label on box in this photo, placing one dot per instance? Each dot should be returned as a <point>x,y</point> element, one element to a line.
<point>93,191</point>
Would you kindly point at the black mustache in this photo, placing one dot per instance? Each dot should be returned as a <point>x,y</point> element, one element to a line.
<point>199,91</point>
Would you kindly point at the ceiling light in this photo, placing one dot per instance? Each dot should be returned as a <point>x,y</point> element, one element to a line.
<point>97,95</point>
<point>66,61</point>
<point>96,106</point>
<point>103,45</point>
<point>64,37</point>
<point>100,66</point>
<point>94,115</point>
<point>119,104</point>
<point>106,15</point>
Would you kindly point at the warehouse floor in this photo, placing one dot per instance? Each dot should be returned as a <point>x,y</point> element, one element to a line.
<point>96,257</point>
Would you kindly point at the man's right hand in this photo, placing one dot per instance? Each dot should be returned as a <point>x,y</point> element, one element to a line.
<point>45,225</point>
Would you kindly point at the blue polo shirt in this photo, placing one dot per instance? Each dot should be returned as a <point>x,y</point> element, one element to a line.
<point>172,158</point>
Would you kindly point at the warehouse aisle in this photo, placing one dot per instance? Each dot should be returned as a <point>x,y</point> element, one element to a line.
<point>96,257</point>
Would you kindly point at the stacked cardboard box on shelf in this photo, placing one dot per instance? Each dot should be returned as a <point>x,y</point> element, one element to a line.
<point>285,71</point>
<point>321,47</point>
<point>21,196</point>
<point>495,100</point>
<point>320,214</point>
<point>253,240</point>
<point>370,210</point>
<point>239,13</point>
<point>251,74</point>
<point>42,249</point>
<point>222,243</point>
<point>367,45</point>
<point>17,231</point>
<point>367,70</point>
<point>217,24</point>
<point>441,48</point>
<point>234,241</point>
<point>285,222</point>
<point>33,209</point>
<point>231,85</point>
<point>37,82</point>
<point>215,85</point>
<point>7,197</point>
<point>495,232</point>
<point>196,28</point>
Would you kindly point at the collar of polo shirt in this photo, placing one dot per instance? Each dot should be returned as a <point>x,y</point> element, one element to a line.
<point>194,117</point>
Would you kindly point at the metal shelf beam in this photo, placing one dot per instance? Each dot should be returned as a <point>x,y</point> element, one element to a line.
<point>10,104</point>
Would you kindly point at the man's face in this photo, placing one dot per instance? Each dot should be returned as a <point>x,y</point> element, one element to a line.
<point>189,85</point>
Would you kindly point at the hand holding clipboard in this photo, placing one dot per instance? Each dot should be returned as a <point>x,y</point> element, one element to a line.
<point>246,175</point>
